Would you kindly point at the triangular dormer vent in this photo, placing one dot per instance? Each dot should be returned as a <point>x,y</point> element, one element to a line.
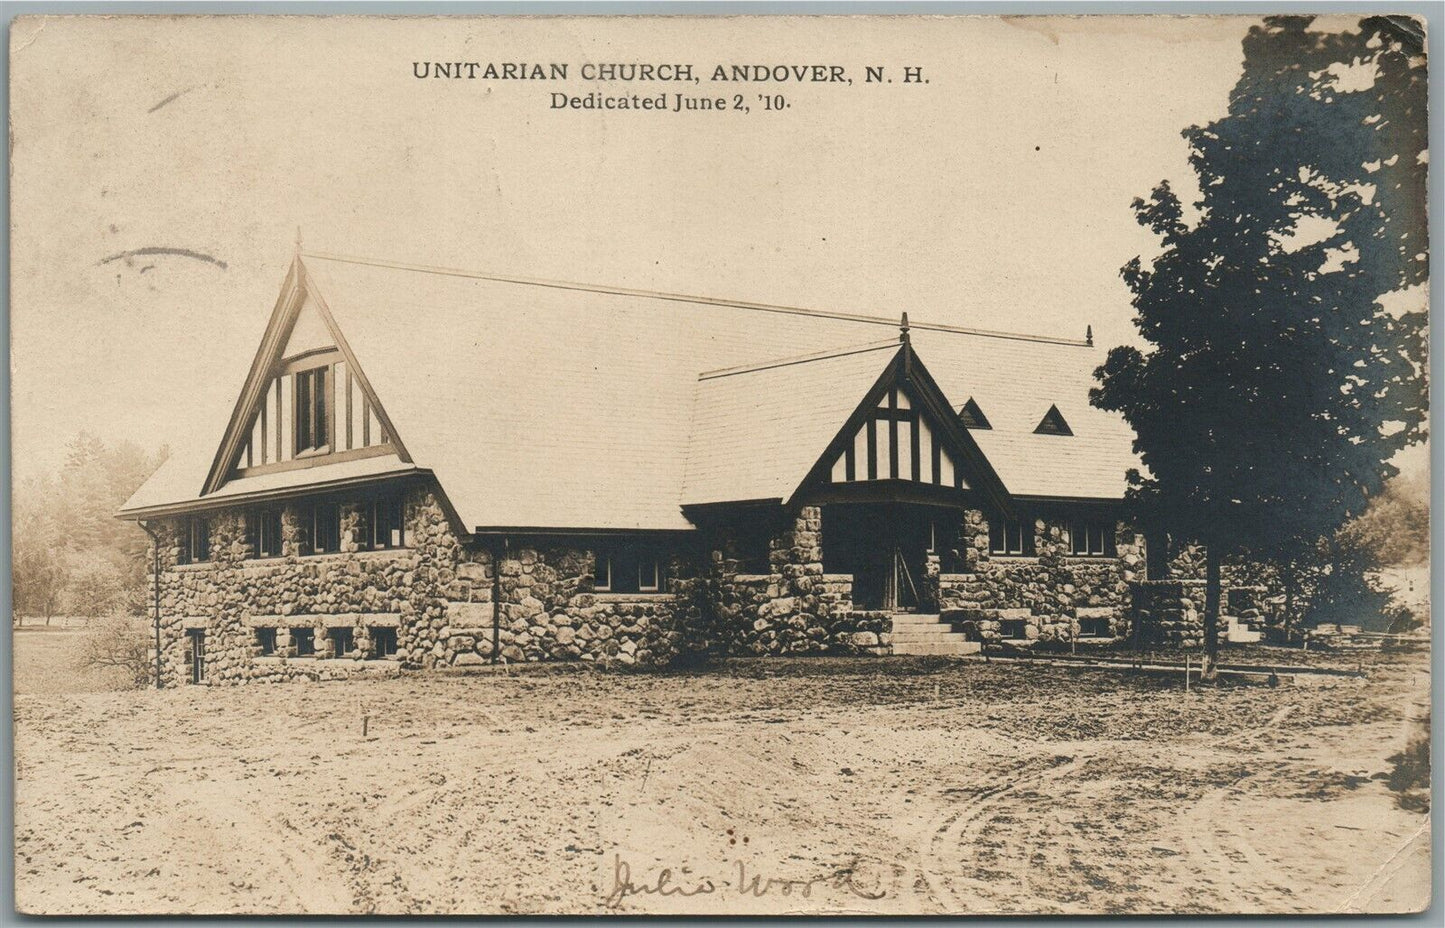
<point>971,417</point>
<point>1053,424</point>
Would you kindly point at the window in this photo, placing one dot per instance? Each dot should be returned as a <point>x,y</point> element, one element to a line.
<point>386,523</point>
<point>304,641</point>
<point>1012,629</point>
<point>266,640</point>
<point>602,572</point>
<point>195,541</point>
<point>325,528</point>
<point>648,579</point>
<point>383,642</point>
<point>343,641</point>
<point>627,568</point>
<point>311,426</point>
<point>1095,628</point>
<point>1009,536</point>
<point>263,532</point>
<point>1090,538</point>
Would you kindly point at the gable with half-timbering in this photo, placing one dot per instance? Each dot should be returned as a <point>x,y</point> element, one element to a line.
<point>898,440</point>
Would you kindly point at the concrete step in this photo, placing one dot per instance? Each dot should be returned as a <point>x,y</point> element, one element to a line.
<point>923,631</point>
<point>913,618</point>
<point>948,647</point>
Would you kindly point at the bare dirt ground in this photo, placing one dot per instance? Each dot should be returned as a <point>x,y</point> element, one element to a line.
<point>869,786</point>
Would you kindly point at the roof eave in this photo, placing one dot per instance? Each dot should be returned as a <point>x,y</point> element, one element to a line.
<point>205,503</point>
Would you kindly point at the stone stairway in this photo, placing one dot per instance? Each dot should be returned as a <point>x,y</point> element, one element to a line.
<point>925,634</point>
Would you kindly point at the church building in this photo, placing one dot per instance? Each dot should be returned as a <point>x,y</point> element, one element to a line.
<point>428,468</point>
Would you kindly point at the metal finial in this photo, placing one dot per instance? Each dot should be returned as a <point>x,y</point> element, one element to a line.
<point>1089,335</point>
<point>903,327</point>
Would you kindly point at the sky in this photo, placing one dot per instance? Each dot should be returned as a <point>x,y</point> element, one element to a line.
<point>996,195</point>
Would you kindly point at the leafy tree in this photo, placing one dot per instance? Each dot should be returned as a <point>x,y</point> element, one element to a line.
<point>38,577</point>
<point>1276,388</point>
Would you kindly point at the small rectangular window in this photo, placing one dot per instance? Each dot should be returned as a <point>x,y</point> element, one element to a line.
<point>383,641</point>
<point>343,641</point>
<point>325,528</point>
<point>1095,628</point>
<point>386,519</point>
<point>1090,538</point>
<point>263,532</point>
<point>648,575</point>
<point>627,567</point>
<point>1009,536</point>
<point>304,641</point>
<point>266,641</point>
<point>311,408</point>
<point>195,541</point>
<point>1013,629</point>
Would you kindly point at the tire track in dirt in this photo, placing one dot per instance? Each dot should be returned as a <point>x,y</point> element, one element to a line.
<point>279,854</point>
<point>1205,824</point>
<point>955,834</point>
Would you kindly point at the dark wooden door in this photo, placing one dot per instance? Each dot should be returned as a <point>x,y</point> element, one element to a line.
<point>198,655</point>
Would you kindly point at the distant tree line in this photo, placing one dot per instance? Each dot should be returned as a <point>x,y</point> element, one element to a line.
<point>71,555</point>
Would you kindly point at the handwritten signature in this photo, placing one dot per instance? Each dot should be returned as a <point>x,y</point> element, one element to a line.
<point>747,883</point>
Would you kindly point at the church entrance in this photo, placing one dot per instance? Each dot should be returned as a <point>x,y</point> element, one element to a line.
<point>885,546</point>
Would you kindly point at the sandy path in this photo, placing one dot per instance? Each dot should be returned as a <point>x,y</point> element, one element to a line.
<point>486,794</point>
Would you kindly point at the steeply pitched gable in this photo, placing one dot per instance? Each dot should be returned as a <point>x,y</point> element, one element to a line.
<point>306,401</point>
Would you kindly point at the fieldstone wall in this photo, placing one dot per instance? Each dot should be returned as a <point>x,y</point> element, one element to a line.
<point>1170,612</point>
<point>1049,591</point>
<point>437,593</point>
<point>224,596</point>
<point>793,609</point>
<point>549,611</point>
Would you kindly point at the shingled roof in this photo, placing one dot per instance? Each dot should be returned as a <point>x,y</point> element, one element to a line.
<point>543,405</point>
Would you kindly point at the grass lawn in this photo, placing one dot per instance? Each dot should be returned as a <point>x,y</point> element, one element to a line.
<point>904,785</point>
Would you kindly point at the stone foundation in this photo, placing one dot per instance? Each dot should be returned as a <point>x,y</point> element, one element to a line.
<point>1047,597</point>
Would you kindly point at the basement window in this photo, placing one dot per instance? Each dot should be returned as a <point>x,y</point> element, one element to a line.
<point>383,642</point>
<point>1095,628</point>
<point>1010,537</point>
<point>304,641</point>
<point>266,640</point>
<point>1090,538</point>
<point>343,641</point>
<point>195,541</point>
<point>1013,629</point>
<point>263,532</point>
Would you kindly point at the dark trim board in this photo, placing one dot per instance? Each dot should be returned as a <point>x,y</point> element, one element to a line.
<point>318,459</point>
<point>483,531</point>
<point>890,491</point>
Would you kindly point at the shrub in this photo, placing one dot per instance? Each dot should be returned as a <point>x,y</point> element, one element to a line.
<point>120,645</point>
